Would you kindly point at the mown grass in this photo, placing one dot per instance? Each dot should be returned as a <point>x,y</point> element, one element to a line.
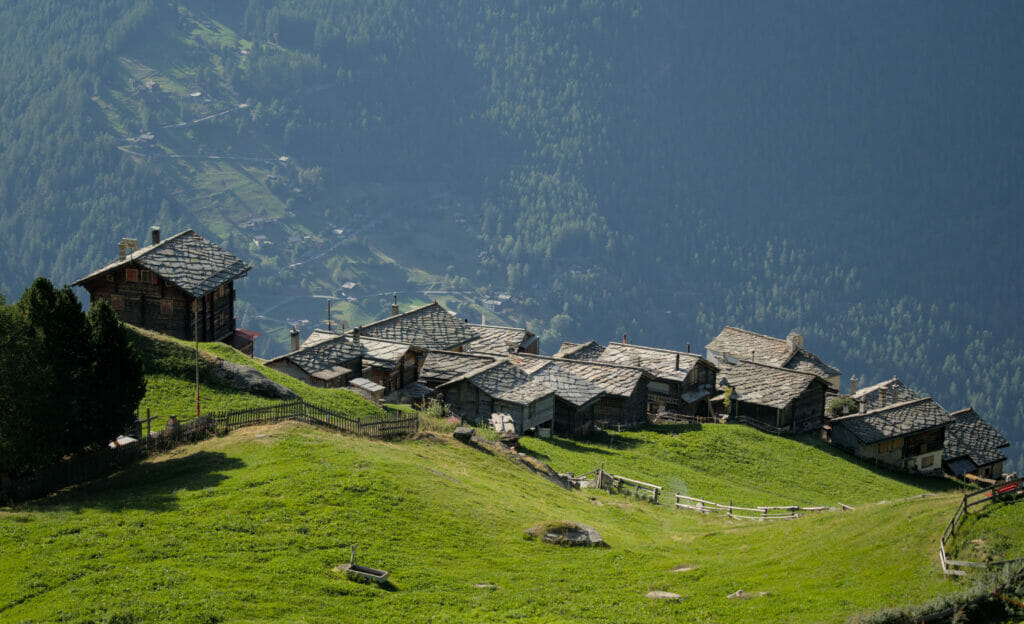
<point>735,463</point>
<point>247,528</point>
<point>169,365</point>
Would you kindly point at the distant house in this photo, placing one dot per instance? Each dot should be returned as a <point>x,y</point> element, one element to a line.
<point>182,286</point>
<point>335,360</point>
<point>501,388</point>
<point>734,344</point>
<point>888,392</point>
<point>906,436</point>
<point>680,382</point>
<point>775,399</point>
<point>972,446</point>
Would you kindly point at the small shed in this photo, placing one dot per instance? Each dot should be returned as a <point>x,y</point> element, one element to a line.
<point>371,390</point>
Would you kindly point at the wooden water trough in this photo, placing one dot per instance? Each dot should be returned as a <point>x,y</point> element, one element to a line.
<point>353,569</point>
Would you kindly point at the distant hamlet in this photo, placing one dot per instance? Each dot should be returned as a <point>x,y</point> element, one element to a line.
<point>495,376</point>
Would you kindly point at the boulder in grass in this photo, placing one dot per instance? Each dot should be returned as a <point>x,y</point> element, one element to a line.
<point>663,595</point>
<point>464,434</point>
<point>566,534</point>
<point>739,594</point>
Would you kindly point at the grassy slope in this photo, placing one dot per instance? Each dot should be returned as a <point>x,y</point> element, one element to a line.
<point>170,375</point>
<point>735,463</point>
<point>991,532</point>
<point>247,527</point>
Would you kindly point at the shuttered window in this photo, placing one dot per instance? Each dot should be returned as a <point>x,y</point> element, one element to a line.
<point>131,275</point>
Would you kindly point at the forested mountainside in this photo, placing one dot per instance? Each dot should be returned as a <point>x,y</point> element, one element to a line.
<point>654,168</point>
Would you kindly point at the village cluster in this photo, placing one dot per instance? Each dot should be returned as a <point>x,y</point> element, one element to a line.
<point>494,376</point>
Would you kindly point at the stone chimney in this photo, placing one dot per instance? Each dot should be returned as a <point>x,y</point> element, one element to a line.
<point>394,306</point>
<point>687,347</point>
<point>355,334</point>
<point>853,384</point>
<point>294,333</point>
<point>624,339</point>
<point>677,361</point>
<point>794,342</point>
<point>154,234</point>
<point>125,247</point>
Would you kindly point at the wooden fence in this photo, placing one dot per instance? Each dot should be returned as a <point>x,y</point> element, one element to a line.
<point>999,491</point>
<point>784,512</point>
<point>391,424</point>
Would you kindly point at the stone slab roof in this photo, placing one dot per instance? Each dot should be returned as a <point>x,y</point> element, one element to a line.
<point>495,340</point>
<point>186,260</point>
<point>747,345</point>
<point>761,384</point>
<point>970,436</point>
<point>505,381</point>
<point>318,336</point>
<point>335,352</point>
<point>888,392</point>
<point>586,351</point>
<point>443,366</point>
<point>660,363</point>
<point>895,421</point>
<point>430,327</point>
<point>384,353</point>
<point>568,386</point>
<point>614,379</point>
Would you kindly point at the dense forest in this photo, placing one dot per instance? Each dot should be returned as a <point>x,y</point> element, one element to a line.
<point>656,168</point>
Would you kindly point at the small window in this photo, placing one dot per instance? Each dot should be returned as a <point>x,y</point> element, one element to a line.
<point>927,461</point>
<point>143,276</point>
<point>153,278</point>
<point>167,307</point>
<point>117,302</point>
<point>131,275</point>
<point>110,277</point>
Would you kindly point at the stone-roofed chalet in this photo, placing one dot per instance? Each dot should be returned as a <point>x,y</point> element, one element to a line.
<point>625,387</point>
<point>440,367</point>
<point>496,340</point>
<point>156,286</point>
<point>681,382</point>
<point>575,399</point>
<point>586,351</point>
<point>906,436</point>
<point>734,344</point>
<point>332,362</point>
<point>972,446</point>
<point>501,388</point>
<point>775,399</point>
<point>430,327</point>
<point>888,392</point>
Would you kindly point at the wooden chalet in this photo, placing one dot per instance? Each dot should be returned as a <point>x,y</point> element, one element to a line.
<point>501,388</point>
<point>906,436</point>
<point>576,399</point>
<point>182,286</point>
<point>440,367</point>
<point>681,382</point>
<point>771,398</point>
<point>973,447</point>
<point>734,344</point>
<point>882,394</point>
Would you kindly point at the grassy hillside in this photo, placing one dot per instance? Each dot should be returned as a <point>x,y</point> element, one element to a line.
<point>247,528</point>
<point>735,463</point>
<point>169,365</point>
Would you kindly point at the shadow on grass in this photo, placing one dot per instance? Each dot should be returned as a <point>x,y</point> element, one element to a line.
<point>938,485</point>
<point>150,486</point>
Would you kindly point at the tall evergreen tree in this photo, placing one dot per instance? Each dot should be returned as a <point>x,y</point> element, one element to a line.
<point>116,381</point>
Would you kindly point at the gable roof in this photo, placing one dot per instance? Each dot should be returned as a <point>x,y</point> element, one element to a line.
<point>586,351</point>
<point>186,260</point>
<point>761,384</point>
<point>742,344</point>
<point>429,327</point>
<point>323,355</point>
<point>970,436</point>
<point>318,336</point>
<point>443,366</point>
<point>567,385</point>
<point>507,382</point>
<point>894,421</point>
<point>496,340</point>
<point>614,379</point>
<point>888,392</point>
<point>660,363</point>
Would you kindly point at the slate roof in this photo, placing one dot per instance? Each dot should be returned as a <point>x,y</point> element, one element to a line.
<point>505,381</point>
<point>318,336</point>
<point>586,351</point>
<point>186,260</point>
<point>323,355</point>
<point>894,421</point>
<point>495,340</point>
<point>761,384</point>
<point>970,436</point>
<point>383,353</point>
<point>614,379</point>
<point>443,366</point>
<point>568,386</point>
<point>885,393</point>
<point>660,363</point>
<point>429,327</point>
<point>745,345</point>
